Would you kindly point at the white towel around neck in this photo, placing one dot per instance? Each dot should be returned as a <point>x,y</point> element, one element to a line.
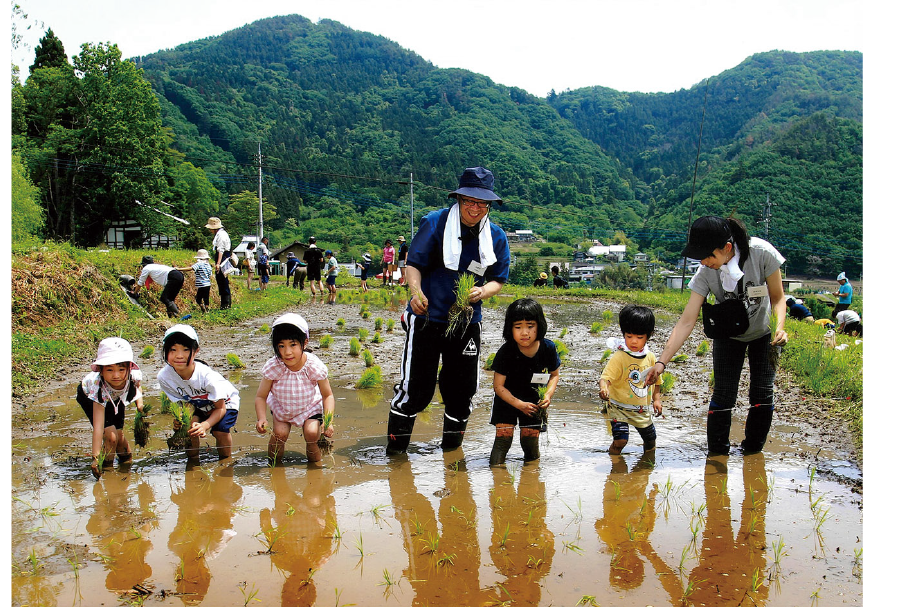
<point>730,273</point>
<point>618,343</point>
<point>451,241</point>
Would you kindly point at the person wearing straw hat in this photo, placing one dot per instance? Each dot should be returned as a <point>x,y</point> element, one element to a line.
<point>103,394</point>
<point>541,281</point>
<point>221,254</point>
<point>450,243</point>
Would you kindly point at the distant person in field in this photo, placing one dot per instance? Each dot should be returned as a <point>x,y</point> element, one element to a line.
<point>844,293</point>
<point>249,259</point>
<point>798,311</point>
<point>221,254</point>
<point>402,259</point>
<point>314,260</point>
<point>262,257</point>
<point>292,263</point>
<point>170,278</point>
<point>557,281</point>
<point>388,262</point>
<point>542,280</point>
<point>848,322</point>
<point>331,275</point>
<point>451,242</point>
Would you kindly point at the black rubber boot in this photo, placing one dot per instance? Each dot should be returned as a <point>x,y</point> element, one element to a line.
<point>718,424</point>
<point>452,433</point>
<point>400,427</point>
<point>531,447</point>
<point>757,426</point>
<point>500,449</point>
<point>172,310</point>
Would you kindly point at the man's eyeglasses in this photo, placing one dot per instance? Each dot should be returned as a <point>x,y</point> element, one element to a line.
<point>470,202</point>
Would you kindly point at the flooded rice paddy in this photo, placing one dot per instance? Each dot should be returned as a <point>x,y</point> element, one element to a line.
<point>672,527</point>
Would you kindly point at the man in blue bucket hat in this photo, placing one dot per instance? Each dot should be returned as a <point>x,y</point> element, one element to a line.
<point>449,243</point>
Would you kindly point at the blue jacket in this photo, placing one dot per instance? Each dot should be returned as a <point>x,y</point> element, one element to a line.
<point>439,282</point>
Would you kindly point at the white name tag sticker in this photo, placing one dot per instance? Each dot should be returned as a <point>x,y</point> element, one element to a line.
<point>476,268</point>
<point>760,291</point>
<point>539,378</point>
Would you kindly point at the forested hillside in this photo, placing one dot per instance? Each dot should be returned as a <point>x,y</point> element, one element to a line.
<point>344,118</point>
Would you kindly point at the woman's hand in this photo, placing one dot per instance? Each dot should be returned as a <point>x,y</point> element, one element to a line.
<point>653,375</point>
<point>780,338</point>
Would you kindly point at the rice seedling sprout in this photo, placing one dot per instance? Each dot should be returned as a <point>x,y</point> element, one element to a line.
<point>461,312</point>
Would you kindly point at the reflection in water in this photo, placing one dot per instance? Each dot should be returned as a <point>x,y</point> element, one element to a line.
<point>443,553</point>
<point>729,562</point>
<point>521,544</point>
<point>121,534</point>
<point>629,514</point>
<point>203,526</point>
<point>300,529</point>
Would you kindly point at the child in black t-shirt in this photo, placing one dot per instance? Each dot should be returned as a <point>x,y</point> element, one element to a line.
<point>525,363</point>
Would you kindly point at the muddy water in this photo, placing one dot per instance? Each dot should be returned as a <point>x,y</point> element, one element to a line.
<point>671,528</point>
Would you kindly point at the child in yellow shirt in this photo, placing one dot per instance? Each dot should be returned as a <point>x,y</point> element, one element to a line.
<point>628,399</point>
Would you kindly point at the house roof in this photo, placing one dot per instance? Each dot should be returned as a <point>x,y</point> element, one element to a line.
<point>296,243</point>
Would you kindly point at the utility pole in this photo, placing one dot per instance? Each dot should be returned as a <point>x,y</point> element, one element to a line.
<point>766,220</point>
<point>411,202</point>
<point>261,231</point>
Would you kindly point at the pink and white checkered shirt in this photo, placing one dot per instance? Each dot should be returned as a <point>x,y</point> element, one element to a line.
<point>295,395</point>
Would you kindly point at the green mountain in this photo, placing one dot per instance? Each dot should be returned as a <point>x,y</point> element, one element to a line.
<point>343,117</point>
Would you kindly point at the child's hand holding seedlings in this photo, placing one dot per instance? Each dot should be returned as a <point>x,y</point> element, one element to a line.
<point>328,430</point>
<point>198,429</point>
<point>604,389</point>
<point>261,425</point>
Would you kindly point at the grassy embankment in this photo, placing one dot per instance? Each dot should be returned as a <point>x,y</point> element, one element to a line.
<point>65,300</point>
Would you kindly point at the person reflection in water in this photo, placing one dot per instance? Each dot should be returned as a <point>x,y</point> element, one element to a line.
<point>121,533</point>
<point>301,528</point>
<point>728,559</point>
<point>519,528</point>
<point>436,548</point>
<point>203,528</point>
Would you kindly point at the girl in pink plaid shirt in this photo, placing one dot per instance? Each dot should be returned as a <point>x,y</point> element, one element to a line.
<point>295,387</point>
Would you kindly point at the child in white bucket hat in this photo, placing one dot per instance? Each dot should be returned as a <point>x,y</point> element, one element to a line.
<point>103,394</point>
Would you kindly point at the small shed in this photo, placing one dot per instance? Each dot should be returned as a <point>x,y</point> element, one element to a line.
<point>790,284</point>
<point>280,255</point>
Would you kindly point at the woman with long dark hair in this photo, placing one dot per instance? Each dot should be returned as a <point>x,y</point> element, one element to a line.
<point>744,275</point>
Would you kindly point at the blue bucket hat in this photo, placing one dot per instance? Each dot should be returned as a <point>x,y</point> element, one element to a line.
<point>476,182</point>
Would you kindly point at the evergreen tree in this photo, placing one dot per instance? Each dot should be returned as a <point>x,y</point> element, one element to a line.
<point>49,53</point>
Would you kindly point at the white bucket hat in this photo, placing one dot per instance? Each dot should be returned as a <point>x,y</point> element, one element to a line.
<point>185,330</point>
<point>292,319</point>
<point>202,254</point>
<point>114,350</point>
<point>842,276</point>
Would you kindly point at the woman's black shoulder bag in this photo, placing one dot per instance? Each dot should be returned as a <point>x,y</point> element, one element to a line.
<point>728,318</point>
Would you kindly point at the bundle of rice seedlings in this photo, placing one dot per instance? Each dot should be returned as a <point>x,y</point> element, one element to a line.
<point>668,383</point>
<point>354,346</point>
<point>140,429</point>
<point>147,351</point>
<point>234,361</point>
<point>179,440</point>
<point>368,358</point>
<point>323,442</point>
<point>363,333</point>
<point>461,312</point>
<point>371,378</point>
<point>489,360</point>
<point>377,338</point>
<point>390,325</point>
<point>341,322</point>
<point>542,414</point>
<point>326,341</point>
<point>561,349</point>
<point>378,324</point>
<point>166,404</point>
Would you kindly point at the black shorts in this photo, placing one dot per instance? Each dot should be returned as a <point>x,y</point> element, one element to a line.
<point>503,413</point>
<point>110,418</point>
<point>313,273</point>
